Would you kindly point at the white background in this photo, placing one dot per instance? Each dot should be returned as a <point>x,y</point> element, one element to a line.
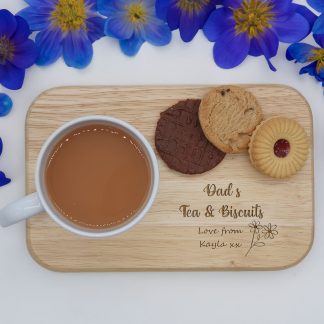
<point>31,294</point>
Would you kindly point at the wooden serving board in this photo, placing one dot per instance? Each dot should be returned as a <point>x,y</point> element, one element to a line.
<point>192,224</point>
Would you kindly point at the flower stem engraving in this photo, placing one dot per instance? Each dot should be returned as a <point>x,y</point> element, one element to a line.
<point>260,233</point>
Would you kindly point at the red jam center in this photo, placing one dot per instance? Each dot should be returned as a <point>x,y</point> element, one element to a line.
<point>281,148</point>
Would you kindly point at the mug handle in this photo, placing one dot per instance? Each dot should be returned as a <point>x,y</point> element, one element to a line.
<point>21,209</point>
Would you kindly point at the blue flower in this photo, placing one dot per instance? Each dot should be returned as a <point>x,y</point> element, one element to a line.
<point>5,104</point>
<point>17,51</point>
<point>133,22</point>
<point>187,15</point>
<point>3,179</point>
<point>318,29</point>
<point>254,27</point>
<point>66,27</point>
<point>305,53</point>
<point>317,5</point>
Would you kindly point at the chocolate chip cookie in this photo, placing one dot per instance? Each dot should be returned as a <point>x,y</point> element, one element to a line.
<point>228,115</point>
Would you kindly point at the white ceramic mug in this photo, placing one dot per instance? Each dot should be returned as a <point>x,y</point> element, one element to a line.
<point>39,201</point>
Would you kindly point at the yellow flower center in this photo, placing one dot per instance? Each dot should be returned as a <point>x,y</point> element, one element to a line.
<point>191,6</point>
<point>253,17</point>
<point>69,15</point>
<point>136,13</point>
<point>7,49</point>
<point>319,57</point>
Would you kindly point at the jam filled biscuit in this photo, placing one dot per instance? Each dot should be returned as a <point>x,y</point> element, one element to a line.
<point>181,142</point>
<point>228,115</point>
<point>279,147</point>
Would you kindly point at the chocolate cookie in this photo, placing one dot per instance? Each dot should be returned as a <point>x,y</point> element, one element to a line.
<point>181,142</point>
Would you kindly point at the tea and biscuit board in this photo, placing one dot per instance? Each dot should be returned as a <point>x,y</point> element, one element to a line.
<point>229,218</point>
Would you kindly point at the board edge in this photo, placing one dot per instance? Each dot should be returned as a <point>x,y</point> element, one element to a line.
<point>54,268</point>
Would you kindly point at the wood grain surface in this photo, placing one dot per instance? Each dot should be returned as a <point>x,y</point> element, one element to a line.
<point>167,238</point>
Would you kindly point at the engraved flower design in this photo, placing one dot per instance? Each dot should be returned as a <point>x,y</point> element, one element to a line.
<point>261,233</point>
<point>269,231</point>
<point>255,227</point>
